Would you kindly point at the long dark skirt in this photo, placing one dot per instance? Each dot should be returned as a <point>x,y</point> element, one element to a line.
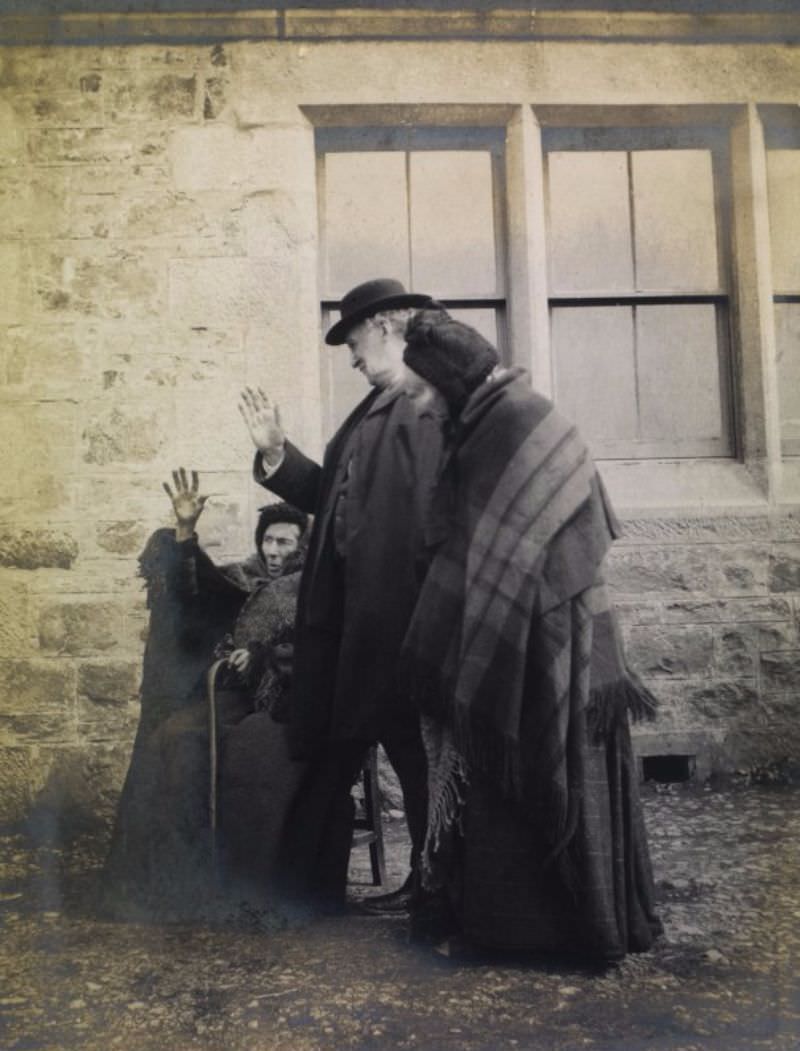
<point>597,901</point>
<point>163,860</point>
<point>258,785</point>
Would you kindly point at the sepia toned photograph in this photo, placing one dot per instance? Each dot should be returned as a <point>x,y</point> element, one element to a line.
<point>400,554</point>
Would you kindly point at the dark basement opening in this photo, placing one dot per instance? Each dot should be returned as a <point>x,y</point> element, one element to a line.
<point>667,769</point>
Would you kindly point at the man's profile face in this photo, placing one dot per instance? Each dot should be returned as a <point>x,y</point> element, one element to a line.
<point>280,540</point>
<point>376,352</point>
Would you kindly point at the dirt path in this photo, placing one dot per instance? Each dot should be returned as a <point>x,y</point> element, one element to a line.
<point>724,976</point>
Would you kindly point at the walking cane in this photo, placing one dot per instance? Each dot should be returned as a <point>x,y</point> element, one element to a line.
<point>213,755</point>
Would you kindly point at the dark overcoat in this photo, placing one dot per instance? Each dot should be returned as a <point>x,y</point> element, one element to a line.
<point>353,612</point>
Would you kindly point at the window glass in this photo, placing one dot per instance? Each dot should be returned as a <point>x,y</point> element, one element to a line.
<point>638,293</point>
<point>419,204</point>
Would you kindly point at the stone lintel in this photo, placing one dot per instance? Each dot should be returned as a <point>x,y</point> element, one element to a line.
<point>378,22</point>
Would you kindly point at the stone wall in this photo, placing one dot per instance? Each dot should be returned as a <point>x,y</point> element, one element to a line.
<point>158,248</point>
<point>711,612</point>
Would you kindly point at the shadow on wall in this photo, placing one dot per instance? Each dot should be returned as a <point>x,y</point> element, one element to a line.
<point>74,794</point>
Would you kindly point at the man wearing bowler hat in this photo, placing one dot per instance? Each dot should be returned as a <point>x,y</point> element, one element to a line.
<point>359,585</point>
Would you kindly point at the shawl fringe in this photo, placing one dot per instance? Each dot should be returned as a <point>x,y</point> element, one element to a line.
<point>613,701</point>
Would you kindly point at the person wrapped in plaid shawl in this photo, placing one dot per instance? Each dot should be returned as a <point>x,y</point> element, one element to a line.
<point>535,836</point>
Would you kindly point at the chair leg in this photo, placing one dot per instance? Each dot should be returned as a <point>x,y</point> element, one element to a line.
<point>372,813</point>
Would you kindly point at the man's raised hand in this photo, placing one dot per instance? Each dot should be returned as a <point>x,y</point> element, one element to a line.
<point>263,420</point>
<point>187,502</point>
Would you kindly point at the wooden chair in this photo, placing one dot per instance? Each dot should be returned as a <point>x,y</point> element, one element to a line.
<point>368,830</point>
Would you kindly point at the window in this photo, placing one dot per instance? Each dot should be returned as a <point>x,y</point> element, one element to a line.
<point>782,139</point>
<point>421,204</point>
<point>639,287</point>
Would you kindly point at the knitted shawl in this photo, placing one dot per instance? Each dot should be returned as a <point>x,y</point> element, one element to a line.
<point>512,646</point>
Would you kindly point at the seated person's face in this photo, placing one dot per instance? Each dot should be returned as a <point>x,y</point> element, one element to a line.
<point>280,540</point>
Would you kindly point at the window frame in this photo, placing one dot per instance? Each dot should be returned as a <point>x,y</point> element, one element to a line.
<point>404,138</point>
<point>628,139</point>
<point>755,477</point>
<point>782,132</point>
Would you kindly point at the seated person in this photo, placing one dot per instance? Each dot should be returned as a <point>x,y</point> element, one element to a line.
<point>161,859</point>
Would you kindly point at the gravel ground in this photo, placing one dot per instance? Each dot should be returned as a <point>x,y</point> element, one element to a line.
<point>724,976</point>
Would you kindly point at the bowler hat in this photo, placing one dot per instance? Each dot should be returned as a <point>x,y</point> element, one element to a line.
<point>384,293</point>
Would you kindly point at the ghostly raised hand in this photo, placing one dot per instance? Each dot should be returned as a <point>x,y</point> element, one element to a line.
<point>187,502</point>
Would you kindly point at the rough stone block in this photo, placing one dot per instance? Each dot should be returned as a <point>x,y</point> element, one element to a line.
<point>109,683</point>
<point>755,747</point>
<point>121,538</point>
<point>39,454</point>
<point>19,770</point>
<point>116,146</point>
<point>11,281</point>
<point>107,693</point>
<point>695,611</point>
<point>125,437</point>
<point>80,792</point>
<point>695,530</point>
<point>784,568</point>
<point>63,109</point>
<point>783,706</point>
<point>277,226</point>
<point>34,204</point>
<point>740,570</point>
<point>11,136</point>
<point>80,627</point>
<point>15,627</point>
<point>780,670</point>
<point>786,526</point>
<point>777,635</point>
<point>146,95</point>
<point>632,611</point>
<point>673,652</point>
<point>47,360</point>
<point>222,442</point>
<point>37,549</point>
<point>737,610</point>
<point>735,652</point>
<point>214,97</point>
<point>177,355</point>
<point>141,176</point>
<point>89,279</point>
<point>223,157</point>
<point>634,570</point>
<point>723,700</point>
<point>47,70</point>
<point>138,497</point>
<point>149,214</point>
<point>37,701</point>
<point>136,628</point>
<point>228,291</point>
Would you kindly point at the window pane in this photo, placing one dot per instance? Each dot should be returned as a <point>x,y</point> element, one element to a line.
<point>783,173</point>
<point>594,370</point>
<point>589,216</point>
<point>365,219</point>
<point>787,334</point>
<point>485,321</point>
<point>452,223</point>
<point>679,381</point>
<point>344,386</point>
<point>674,220</point>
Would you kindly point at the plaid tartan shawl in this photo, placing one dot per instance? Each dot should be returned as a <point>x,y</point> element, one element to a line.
<point>512,644</point>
